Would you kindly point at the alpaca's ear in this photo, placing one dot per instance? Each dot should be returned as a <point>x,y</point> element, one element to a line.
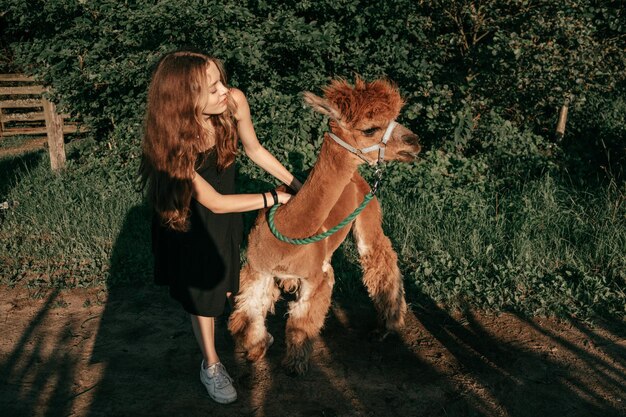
<point>323,106</point>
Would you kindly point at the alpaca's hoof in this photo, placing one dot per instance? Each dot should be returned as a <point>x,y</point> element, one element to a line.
<point>296,367</point>
<point>296,362</point>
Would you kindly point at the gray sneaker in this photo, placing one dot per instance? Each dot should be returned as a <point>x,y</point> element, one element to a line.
<point>218,383</point>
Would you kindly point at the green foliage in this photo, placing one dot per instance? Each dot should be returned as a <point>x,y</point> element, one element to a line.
<point>78,229</point>
<point>455,62</point>
<point>538,250</point>
<point>529,57</point>
<point>497,213</point>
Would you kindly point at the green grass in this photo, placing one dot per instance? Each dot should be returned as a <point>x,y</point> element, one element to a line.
<point>79,228</point>
<point>10,142</point>
<point>541,248</point>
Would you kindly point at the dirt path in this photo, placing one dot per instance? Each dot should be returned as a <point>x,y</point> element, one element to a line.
<point>131,353</point>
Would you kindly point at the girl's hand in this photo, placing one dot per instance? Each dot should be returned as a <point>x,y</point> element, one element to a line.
<point>283,197</point>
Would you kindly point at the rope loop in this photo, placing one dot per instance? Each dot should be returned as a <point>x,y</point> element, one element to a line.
<point>316,238</point>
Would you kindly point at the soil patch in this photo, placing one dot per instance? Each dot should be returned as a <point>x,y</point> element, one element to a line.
<point>131,352</point>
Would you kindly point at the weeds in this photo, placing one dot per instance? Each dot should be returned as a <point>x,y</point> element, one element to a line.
<point>72,230</point>
<point>547,250</point>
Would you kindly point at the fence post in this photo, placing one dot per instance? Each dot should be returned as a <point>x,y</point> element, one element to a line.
<point>54,127</point>
<point>560,126</point>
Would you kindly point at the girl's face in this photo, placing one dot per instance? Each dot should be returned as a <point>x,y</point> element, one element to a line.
<point>214,96</point>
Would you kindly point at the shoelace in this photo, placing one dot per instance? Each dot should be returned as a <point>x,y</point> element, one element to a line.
<point>221,376</point>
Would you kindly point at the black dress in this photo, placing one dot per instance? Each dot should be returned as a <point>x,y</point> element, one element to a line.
<point>201,265</point>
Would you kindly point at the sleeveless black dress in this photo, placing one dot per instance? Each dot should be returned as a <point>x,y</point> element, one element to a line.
<point>201,265</point>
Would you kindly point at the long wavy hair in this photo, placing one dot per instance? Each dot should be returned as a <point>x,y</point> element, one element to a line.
<point>176,134</point>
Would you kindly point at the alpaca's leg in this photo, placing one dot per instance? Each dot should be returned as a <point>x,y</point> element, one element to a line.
<point>306,318</point>
<point>380,265</point>
<point>256,297</point>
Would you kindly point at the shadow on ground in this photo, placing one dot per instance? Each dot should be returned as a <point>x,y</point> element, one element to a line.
<point>129,351</point>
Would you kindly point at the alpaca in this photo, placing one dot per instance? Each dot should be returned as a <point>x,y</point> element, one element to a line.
<point>360,116</point>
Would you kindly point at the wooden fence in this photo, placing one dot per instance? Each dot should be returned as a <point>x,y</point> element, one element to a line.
<point>23,111</point>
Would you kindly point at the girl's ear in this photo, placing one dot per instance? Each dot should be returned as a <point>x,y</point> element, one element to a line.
<point>323,106</point>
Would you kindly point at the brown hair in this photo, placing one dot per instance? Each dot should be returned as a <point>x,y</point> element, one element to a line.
<point>365,100</point>
<point>176,133</point>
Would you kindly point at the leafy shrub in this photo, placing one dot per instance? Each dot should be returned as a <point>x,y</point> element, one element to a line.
<point>456,63</point>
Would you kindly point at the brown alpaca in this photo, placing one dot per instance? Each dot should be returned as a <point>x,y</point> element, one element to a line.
<point>359,115</point>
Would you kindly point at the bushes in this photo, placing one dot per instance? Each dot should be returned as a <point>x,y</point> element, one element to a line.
<point>483,82</point>
<point>521,60</point>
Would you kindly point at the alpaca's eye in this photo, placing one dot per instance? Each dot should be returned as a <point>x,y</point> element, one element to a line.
<point>370,131</point>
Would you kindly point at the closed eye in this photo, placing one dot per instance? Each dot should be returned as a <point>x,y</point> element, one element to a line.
<point>370,131</point>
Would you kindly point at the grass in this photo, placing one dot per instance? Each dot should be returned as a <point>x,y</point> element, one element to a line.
<point>74,229</point>
<point>542,248</point>
<point>10,142</point>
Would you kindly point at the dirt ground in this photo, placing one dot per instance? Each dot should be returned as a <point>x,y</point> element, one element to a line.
<point>131,352</point>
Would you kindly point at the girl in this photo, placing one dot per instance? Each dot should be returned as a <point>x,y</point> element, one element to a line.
<point>193,122</point>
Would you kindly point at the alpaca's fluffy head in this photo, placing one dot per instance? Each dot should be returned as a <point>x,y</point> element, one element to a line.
<point>360,115</point>
<point>379,99</point>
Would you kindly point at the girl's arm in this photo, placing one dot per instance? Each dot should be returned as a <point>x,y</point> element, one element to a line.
<point>255,151</point>
<point>218,203</point>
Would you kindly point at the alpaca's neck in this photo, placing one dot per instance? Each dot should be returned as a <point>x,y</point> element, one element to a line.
<point>307,211</point>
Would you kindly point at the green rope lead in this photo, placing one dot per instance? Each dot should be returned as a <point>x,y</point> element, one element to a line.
<point>316,238</point>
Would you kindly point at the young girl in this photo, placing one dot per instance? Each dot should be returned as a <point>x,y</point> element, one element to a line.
<point>193,122</point>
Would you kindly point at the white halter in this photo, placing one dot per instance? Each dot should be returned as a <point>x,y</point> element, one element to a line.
<point>361,152</point>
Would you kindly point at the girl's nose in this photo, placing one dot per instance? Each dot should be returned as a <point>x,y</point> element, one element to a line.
<point>222,88</point>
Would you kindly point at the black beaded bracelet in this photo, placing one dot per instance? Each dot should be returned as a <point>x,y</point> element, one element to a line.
<point>264,200</point>
<point>275,196</point>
